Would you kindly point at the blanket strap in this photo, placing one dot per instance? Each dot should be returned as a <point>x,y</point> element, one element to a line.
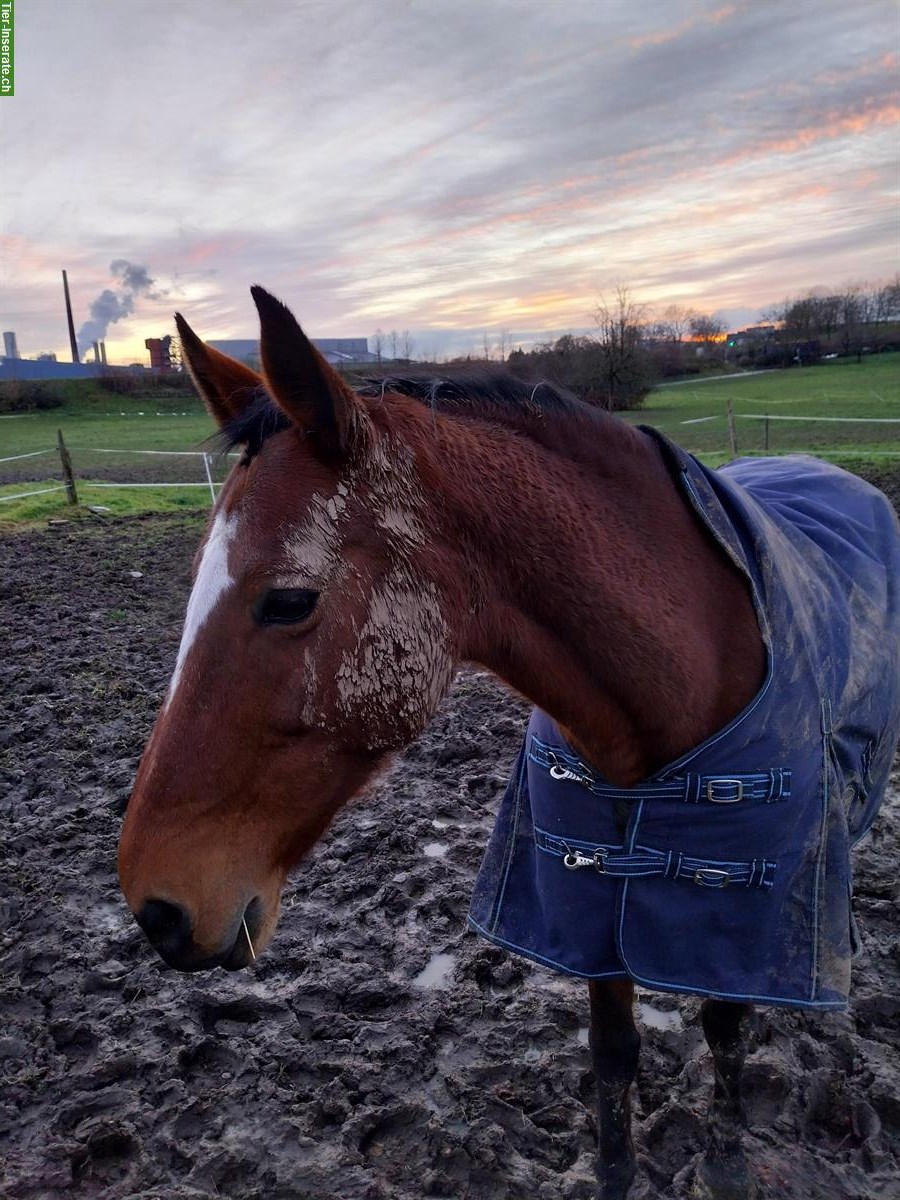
<point>691,787</point>
<point>644,862</point>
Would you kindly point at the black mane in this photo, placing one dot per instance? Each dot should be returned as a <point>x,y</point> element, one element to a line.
<point>487,395</point>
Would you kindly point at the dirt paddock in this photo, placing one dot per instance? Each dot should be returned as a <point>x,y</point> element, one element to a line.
<point>378,1051</point>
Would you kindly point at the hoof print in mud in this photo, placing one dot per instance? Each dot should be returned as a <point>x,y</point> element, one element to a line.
<point>724,1179</point>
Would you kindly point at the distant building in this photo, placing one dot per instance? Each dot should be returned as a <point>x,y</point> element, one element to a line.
<point>337,351</point>
<point>160,354</point>
<point>755,334</point>
<point>46,368</point>
<point>10,349</point>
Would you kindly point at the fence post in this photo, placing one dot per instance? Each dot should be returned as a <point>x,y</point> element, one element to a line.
<point>68,477</point>
<point>766,432</point>
<point>212,490</point>
<point>732,435</point>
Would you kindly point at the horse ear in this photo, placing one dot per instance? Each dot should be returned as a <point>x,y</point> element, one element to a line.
<point>303,384</point>
<point>226,385</point>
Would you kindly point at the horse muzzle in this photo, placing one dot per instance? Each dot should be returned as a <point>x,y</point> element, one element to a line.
<point>170,929</point>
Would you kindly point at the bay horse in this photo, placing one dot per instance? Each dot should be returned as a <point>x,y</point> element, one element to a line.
<point>368,541</point>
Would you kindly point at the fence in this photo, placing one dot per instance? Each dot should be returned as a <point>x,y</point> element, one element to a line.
<point>720,434</point>
<point>110,468</point>
<point>731,433</point>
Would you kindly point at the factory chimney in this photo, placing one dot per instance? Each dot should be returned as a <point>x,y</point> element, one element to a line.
<point>96,346</point>
<point>103,353</point>
<point>72,341</point>
<point>10,349</point>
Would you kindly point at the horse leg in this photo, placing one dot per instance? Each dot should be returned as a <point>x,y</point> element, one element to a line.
<point>722,1173</point>
<point>615,1045</point>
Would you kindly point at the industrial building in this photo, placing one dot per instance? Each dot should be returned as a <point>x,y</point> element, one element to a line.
<point>163,354</point>
<point>337,351</point>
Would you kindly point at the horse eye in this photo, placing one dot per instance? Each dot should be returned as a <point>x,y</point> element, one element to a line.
<point>285,606</point>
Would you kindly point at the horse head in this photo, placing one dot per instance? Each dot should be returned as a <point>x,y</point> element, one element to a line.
<point>317,640</point>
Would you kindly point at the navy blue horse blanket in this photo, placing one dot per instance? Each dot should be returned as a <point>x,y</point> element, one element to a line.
<point>727,873</point>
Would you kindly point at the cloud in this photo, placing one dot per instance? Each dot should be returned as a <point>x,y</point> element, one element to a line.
<point>465,163</point>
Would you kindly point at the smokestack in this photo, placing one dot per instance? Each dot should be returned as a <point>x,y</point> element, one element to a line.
<point>103,353</point>
<point>10,349</point>
<point>72,341</point>
<point>96,346</point>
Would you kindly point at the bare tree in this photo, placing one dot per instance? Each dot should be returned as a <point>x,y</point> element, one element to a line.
<point>890,299</point>
<point>485,346</point>
<point>674,323</point>
<point>885,304</point>
<point>407,344</point>
<point>853,313</point>
<point>626,366</point>
<point>378,343</point>
<point>707,328</point>
<point>393,342</point>
<point>504,344</point>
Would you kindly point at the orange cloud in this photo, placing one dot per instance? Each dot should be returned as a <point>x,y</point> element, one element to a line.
<point>663,36</point>
<point>832,125</point>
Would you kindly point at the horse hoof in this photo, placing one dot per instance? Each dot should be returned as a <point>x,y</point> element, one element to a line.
<point>616,1181</point>
<point>726,1178</point>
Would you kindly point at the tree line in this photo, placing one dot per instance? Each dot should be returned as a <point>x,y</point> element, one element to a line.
<point>632,347</point>
<point>857,319</point>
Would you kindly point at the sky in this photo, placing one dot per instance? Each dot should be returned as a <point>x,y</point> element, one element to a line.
<point>449,167</point>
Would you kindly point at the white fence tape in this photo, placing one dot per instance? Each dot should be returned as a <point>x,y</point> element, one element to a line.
<point>43,491</point>
<point>31,454</point>
<point>194,483</point>
<point>175,453</point>
<point>847,420</point>
<point>207,483</point>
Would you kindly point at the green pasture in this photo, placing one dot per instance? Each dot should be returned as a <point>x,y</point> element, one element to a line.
<point>90,417</point>
<point>119,502</point>
<point>692,413</point>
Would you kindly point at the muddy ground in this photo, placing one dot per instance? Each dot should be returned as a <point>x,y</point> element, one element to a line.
<point>378,1051</point>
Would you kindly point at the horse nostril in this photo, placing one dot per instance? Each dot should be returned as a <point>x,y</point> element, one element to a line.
<point>168,926</point>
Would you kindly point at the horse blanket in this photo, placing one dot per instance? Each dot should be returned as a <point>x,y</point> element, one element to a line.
<point>727,873</point>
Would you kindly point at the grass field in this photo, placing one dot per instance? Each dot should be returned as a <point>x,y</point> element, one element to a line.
<point>691,413</point>
<point>694,414</point>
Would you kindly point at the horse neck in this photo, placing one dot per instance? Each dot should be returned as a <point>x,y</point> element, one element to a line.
<point>582,579</point>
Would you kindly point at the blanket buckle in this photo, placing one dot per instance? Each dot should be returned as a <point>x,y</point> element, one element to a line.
<point>712,877</point>
<point>737,784</point>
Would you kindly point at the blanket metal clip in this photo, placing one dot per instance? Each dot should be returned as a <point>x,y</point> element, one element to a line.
<point>558,771</point>
<point>573,860</point>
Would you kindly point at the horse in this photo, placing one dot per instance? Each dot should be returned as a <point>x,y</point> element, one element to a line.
<point>703,748</point>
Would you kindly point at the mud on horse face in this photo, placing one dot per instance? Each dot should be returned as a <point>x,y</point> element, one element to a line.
<point>315,643</point>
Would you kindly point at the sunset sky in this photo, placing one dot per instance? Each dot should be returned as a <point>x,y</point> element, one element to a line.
<point>446,166</point>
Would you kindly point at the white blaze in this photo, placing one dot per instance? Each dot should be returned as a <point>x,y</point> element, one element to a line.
<point>212,580</point>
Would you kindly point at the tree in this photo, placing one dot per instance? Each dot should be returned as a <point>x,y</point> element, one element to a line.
<point>626,372</point>
<point>393,342</point>
<point>707,328</point>
<point>674,323</point>
<point>378,343</point>
<point>407,345</point>
<point>855,312</point>
<point>890,299</point>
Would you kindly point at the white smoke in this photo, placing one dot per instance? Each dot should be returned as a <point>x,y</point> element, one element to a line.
<point>111,306</point>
